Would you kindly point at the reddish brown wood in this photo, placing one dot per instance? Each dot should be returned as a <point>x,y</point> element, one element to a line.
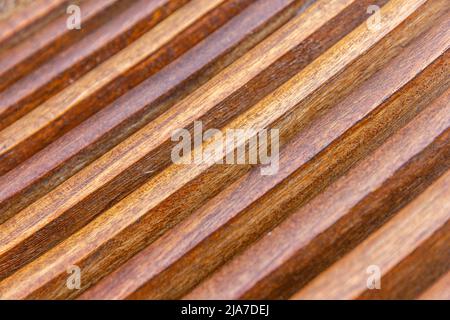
<point>28,18</point>
<point>51,39</point>
<point>69,65</point>
<point>230,210</point>
<point>66,156</point>
<point>360,97</point>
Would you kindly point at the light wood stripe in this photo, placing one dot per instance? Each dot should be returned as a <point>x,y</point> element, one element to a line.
<point>358,89</point>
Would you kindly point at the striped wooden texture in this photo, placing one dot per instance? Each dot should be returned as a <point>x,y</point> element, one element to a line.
<point>360,93</point>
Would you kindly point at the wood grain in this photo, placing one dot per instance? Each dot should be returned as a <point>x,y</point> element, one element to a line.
<point>438,291</point>
<point>52,39</point>
<point>102,131</point>
<point>303,228</point>
<point>86,171</point>
<point>74,62</point>
<point>413,225</point>
<point>28,17</point>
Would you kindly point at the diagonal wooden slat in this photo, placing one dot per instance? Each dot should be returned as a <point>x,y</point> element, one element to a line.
<point>438,291</point>
<point>50,119</point>
<point>15,27</point>
<point>99,133</point>
<point>75,61</point>
<point>53,38</point>
<point>357,89</point>
<point>409,229</point>
<point>230,202</point>
<point>314,229</point>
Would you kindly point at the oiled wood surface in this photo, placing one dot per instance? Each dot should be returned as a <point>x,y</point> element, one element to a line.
<point>361,100</point>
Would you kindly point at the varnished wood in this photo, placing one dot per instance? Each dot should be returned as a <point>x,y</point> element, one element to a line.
<point>44,44</point>
<point>226,205</point>
<point>74,62</point>
<point>414,224</point>
<point>99,169</point>
<point>87,179</point>
<point>303,228</point>
<point>438,291</point>
<point>67,155</point>
<point>28,17</point>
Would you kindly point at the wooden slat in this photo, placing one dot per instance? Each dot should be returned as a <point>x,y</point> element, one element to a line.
<point>86,171</point>
<point>15,27</point>
<point>7,9</point>
<point>313,230</point>
<point>438,291</point>
<point>227,206</point>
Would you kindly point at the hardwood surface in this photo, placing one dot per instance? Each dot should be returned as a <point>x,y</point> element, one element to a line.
<point>86,123</point>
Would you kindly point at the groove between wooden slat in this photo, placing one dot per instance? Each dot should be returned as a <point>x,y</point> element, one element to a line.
<point>98,134</point>
<point>69,65</point>
<point>44,44</point>
<point>413,225</point>
<point>183,216</point>
<point>47,209</point>
<point>322,67</point>
<point>17,26</point>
